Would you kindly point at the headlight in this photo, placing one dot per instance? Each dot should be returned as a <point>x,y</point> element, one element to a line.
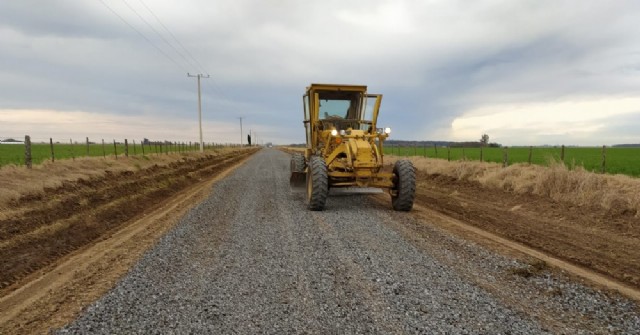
<point>387,130</point>
<point>334,132</point>
<point>342,132</point>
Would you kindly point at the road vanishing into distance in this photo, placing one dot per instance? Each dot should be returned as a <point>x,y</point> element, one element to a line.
<point>251,259</point>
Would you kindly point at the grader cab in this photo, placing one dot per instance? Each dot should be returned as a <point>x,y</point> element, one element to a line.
<point>344,147</point>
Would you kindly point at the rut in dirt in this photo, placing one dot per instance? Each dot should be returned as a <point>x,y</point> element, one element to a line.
<point>52,224</point>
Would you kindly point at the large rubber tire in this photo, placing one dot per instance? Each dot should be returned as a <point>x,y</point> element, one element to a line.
<point>317,184</point>
<point>404,186</point>
<point>297,162</point>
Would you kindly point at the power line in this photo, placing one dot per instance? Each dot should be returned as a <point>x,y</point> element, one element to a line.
<point>158,33</point>
<point>174,37</point>
<point>215,87</point>
<point>214,84</point>
<point>143,36</point>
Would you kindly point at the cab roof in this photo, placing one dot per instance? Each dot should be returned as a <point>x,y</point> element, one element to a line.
<point>336,87</point>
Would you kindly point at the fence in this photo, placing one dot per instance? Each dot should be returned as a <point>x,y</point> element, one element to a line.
<point>623,160</point>
<point>28,152</point>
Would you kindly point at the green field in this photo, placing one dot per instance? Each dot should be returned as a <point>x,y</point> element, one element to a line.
<point>618,160</point>
<point>15,153</point>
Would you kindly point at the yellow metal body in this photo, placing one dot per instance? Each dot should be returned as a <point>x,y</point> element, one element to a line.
<point>340,123</point>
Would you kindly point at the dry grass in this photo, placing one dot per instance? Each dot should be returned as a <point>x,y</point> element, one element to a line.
<point>619,193</point>
<point>18,181</point>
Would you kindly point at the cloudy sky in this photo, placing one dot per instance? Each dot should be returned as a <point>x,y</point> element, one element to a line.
<point>526,72</point>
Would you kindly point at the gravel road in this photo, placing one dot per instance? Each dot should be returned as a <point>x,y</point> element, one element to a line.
<point>251,259</point>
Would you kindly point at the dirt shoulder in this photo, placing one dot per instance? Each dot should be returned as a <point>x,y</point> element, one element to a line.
<point>71,243</point>
<point>601,240</point>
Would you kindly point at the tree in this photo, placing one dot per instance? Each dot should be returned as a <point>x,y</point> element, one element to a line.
<point>484,140</point>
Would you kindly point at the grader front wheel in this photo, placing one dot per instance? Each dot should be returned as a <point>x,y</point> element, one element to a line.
<point>317,184</point>
<point>404,186</point>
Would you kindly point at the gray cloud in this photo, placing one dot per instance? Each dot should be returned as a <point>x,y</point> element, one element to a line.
<point>433,61</point>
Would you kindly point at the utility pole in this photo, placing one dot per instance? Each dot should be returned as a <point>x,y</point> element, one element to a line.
<point>240,130</point>
<point>199,107</point>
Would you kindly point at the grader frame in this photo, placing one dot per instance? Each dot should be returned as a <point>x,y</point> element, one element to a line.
<point>345,147</point>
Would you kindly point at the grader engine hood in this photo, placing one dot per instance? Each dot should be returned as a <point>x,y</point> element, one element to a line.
<point>361,153</point>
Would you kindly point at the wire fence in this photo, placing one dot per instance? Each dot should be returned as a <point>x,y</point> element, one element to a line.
<point>614,160</point>
<point>30,152</point>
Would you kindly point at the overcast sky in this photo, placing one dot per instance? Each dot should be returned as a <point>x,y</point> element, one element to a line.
<point>525,72</point>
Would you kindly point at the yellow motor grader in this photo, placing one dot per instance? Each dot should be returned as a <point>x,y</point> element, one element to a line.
<point>344,147</point>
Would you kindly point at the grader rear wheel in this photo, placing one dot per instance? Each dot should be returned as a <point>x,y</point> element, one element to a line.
<point>317,184</point>
<point>404,186</point>
<point>297,163</point>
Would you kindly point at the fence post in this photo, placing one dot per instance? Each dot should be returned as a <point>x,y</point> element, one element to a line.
<point>463,156</point>
<point>562,153</point>
<point>142,146</point>
<point>415,149</point>
<point>448,152</point>
<point>73,155</point>
<point>126,148</point>
<point>53,158</point>
<point>104,151</point>
<point>134,147</point>
<point>604,159</point>
<point>505,157</point>
<point>27,151</point>
<point>115,149</point>
<point>87,146</point>
<point>435,148</point>
<point>481,154</point>
<point>530,154</point>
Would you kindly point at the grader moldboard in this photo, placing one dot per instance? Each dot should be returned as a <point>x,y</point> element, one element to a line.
<point>344,147</point>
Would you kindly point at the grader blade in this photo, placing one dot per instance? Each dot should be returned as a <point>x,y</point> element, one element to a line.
<point>298,179</point>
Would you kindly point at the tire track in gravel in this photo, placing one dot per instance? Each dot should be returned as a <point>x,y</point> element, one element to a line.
<point>252,259</point>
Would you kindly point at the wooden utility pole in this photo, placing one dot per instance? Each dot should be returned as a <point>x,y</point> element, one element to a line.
<point>240,130</point>
<point>199,107</point>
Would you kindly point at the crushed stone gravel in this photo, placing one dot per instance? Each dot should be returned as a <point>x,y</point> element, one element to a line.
<point>251,259</point>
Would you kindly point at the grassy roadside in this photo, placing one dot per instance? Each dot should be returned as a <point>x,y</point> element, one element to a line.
<point>575,186</point>
<point>617,160</point>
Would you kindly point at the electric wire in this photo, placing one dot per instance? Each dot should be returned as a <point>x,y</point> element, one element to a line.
<point>201,67</point>
<point>213,84</point>
<point>159,35</point>
<point>144,37</point>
